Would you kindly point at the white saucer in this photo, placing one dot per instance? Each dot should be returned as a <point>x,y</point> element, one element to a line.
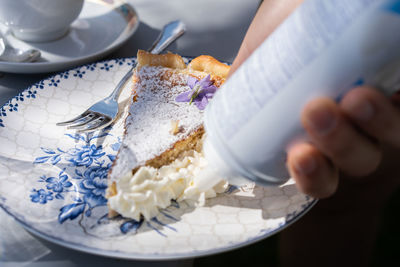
<point>101,27</point>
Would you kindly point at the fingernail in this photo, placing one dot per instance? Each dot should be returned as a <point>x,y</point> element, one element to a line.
<point>322,120</point>
<point>304,165</point>
<point>362,111</point>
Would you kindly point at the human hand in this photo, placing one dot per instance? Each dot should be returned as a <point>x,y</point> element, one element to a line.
<point>349,134</point>
<point>345,136</point>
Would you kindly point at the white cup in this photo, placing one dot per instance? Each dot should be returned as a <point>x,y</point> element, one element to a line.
<point>39,20</point>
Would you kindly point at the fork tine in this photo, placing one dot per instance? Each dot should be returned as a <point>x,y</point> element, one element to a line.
<point>98,126</point>
<point>81,118</point>
<point>102,125</point>
<point>93,125</point>
<point>88,120</point>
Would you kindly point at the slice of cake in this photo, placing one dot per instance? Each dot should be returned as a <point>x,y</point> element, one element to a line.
<point>160,154</point>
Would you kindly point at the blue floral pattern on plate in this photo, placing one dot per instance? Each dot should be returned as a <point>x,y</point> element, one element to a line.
<point>90,164</point>
<point>53,181</point>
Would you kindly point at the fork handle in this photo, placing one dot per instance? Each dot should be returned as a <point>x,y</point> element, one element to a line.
<point>169,34</point>
<point>115,94</point>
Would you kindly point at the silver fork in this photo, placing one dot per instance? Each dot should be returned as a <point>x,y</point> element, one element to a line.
<point>104,112</point>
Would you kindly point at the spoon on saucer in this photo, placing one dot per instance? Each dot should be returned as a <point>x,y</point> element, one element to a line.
<point>11,54</point>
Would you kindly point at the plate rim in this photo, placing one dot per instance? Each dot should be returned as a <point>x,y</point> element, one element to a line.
<point>157,257</point>
<point>142,256</point>
<point>56,66</point>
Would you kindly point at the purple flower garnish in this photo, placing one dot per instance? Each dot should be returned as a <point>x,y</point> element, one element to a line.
<point>201,91</point>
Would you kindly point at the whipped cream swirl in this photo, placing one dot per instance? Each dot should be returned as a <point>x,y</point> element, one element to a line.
<point>151,189</point>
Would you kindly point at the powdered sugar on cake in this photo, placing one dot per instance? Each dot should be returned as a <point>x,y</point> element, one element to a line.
<point>148,125</point>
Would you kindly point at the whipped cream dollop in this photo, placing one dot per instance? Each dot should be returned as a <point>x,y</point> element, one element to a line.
<point>151,189</point>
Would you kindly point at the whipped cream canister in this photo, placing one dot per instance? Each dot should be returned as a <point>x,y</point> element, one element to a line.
<point>324,48</point>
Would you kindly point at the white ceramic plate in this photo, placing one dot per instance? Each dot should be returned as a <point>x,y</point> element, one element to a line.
<point>53,181</point>
<point>102,27</point>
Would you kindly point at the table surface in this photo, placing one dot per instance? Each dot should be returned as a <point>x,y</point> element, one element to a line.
<point>213,27</point>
